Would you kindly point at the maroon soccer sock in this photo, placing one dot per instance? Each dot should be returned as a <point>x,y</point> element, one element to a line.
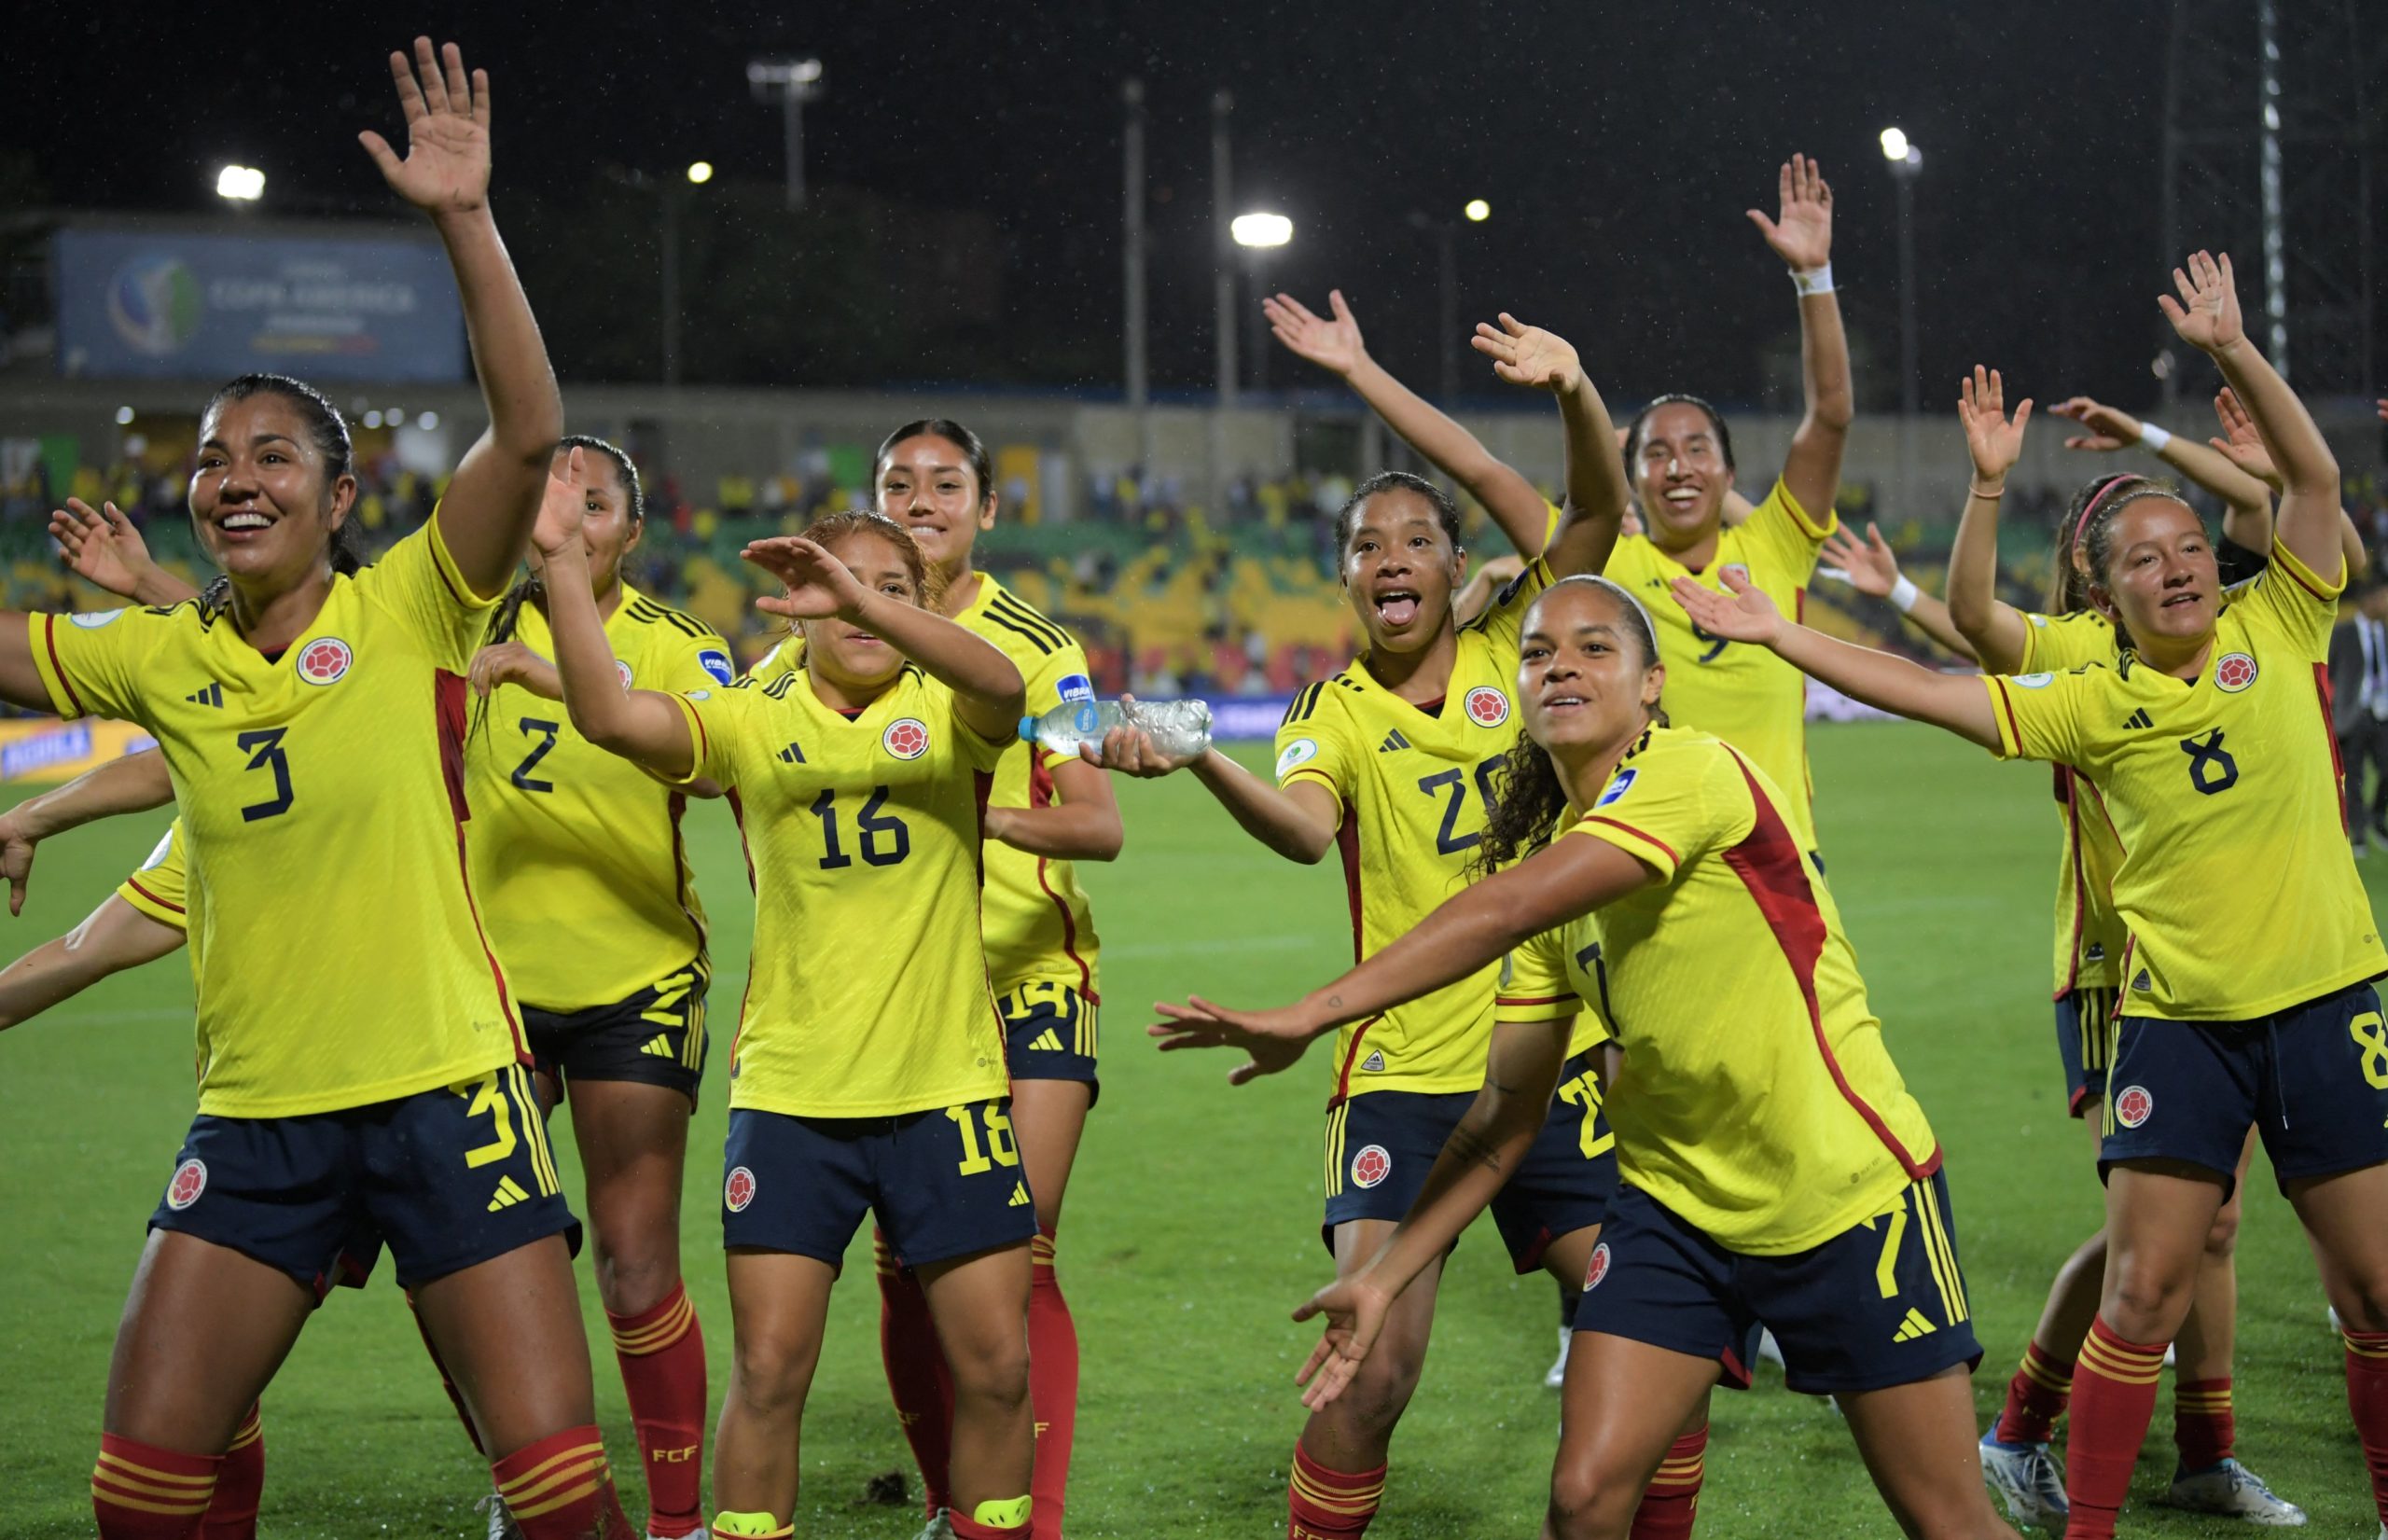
<point>240,1482</point>
<point>916,1375</point>
<point>1671,1500</point>
<point>1052,1389</point>
<point>2368,1399</point>
<point>2035,1397</point>
<point>562,1489</point>
<point>1330,1505</point>
<point>662,1355</point>
<point>2113,1396</point>
<point>2203,1427</point>
<point>140,1492</point>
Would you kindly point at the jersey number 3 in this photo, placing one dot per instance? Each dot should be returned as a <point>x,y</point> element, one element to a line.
<point>264,749</point>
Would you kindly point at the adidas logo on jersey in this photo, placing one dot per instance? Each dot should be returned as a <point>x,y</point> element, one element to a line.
<point>1019,1196</point>
<point>1915,1326</point>
<point>1393,741</point>
<point>2139,719</point>
<point>1049,1040</point>
<point>792,755</point>
<point>508,1194</point>
<point>659,1045</point>
<point>212,695</point>
<point>2140,981</point>
<point>1373,1063</point>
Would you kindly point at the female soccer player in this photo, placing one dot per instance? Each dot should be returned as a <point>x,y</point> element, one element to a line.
<point>1680,458</point>
<point>2206,746</point>
<point>1391,762</point>
<point>868,1069</point>
<point>2090,941</point>
<point>560,826</point>
<point>1774,1168</point>
<point>310,720</point>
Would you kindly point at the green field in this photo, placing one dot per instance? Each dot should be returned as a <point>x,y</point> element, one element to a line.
<point>1192,1228</point>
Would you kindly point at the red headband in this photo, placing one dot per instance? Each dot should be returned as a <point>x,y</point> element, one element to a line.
<point>2104,492</point>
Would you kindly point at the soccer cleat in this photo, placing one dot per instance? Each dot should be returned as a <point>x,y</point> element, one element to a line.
<point>2027,1481</point>
<point>1768,1350</point>
<point>1557,1374</point>
<point>2232,1490</point>
<point>501,1523</point>
<point>940,1527</point>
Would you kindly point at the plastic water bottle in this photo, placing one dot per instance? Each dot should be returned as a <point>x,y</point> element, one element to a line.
<point>1179,729</point>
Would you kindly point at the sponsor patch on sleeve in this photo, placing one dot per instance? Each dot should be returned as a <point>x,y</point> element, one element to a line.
<point>716,662</point>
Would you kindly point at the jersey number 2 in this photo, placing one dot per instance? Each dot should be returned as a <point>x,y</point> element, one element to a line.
<point>264,749</point>
<point>523,779</point>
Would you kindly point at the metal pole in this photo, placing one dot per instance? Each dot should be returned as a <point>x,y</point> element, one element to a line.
<point>2169,251</point>
<point>1446,237</point>
<point>1908,383</point>
<point>1223,296</point>
<point>791,110</point>
<point>2275,255</point>
<point>671,223</point>
<point>1131,92</point>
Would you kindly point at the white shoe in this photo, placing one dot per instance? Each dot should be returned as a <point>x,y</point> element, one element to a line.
<point>1768,1350</point>
<point>2172,1361</point>
<point>2231,1489</point>
<point>2026,1479</point>
<point>501,1523</point>
<point>1557,1374</point>
<point>940,1527</point>
<point>2337,1329</point>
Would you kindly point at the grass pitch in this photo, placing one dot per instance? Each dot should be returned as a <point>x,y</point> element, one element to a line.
<point>1192,1228</point>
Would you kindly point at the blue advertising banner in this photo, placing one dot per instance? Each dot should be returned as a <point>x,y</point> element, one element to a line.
<point>167,304</point>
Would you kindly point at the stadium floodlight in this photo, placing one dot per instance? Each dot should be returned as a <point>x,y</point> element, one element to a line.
<point>791,83</point>
<point>1893,144</point>
<point>124,417</point>
<point>427,421</point>
<point>1904,154</point>
<point>1260,230</point>
<point>239,184</point>
<point>701,172</point>
<point>1477,211</point>
<point>372,419</point>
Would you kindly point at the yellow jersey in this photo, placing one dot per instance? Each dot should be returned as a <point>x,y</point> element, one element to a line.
<point>339,955</point>
<point>867,994</point>
<point>1756,1098</point>
<point>2090,936</point>
<point>160,889</point>
<point>1744,695</point>
<point>577,852</point>
<point>1411,786</point>
<point>2237,883</point>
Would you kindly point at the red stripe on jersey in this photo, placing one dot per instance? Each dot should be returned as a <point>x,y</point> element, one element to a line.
<point>2329,735</point>
<point>1767,862</point>
<point>2072,804</point>
<point>746,993</point>
<point>2014,728</point>
<point>1530,999</point>
<point>2330,598</point>
<point>1646,838</point>
<point>1347,844</point>
<point>1040,794</point>
<point>675,805</point>
<point>449,696</point>
<point>49,640</point>
<point>134,883</point>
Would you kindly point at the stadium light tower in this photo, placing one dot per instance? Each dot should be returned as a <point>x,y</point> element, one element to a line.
<point>1906,162</point>
<point>1475,211</point>
<point>1256,235</point>
<point>239,185</point>
<point>791,83</point>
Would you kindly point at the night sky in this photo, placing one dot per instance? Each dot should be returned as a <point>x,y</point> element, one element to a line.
<point>1619,146</point>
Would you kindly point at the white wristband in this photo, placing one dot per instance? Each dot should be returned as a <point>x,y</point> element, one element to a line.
<point>1904,593</point>
<point>1812,279</point>
<point>2154,438</point>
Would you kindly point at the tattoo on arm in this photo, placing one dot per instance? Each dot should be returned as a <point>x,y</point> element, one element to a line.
<point>1473,1148</point>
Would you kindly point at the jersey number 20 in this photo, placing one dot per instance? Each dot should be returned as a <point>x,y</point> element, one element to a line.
<point>1448,840</point>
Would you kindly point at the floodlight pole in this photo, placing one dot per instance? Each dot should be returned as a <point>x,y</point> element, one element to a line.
<point>1139,366</point>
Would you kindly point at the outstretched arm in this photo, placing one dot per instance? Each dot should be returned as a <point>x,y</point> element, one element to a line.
<point>2246,500</point>
<point>1297,822</point>
<point>114,938</point>
<point>1872,568</point>
<point>1597,493</point>
<point>2207,317</point>
<point>1801,235</point>
<point>105,550</point>
<point>135,784</point>
<point>1994,628</point>
<point>485,518</point>
<point>1334,345</point>
<point>1953,701</point>
<point>1081,823</point>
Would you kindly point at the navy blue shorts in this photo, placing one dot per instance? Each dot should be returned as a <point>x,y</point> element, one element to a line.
<point>2312,1079</point>
<point>655,1037</point>
<point>1381,1145</point>
<point>1880,1304</point>
<point>2085,1026</point>
<point>1049,1033</point>
<point>444,1178</point>
<point>941,1185</point>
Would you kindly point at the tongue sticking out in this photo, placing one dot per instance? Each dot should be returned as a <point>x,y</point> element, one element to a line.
<point>1398,612</point>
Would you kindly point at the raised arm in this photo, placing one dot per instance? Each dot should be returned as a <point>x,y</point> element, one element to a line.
<point>2247,500</point>
<point>134,784</point>
<point>1597,493</point>
<point>1996,631</point>
<point>988,691</point>
<point>1956,702</point>
<point>1335,345</point>
<point>105,551</point>
<point>2207,317</point>
<point>486,516</point>
<point>1801,235</point>
<point>1871,568</point>
<point>2239,440</point>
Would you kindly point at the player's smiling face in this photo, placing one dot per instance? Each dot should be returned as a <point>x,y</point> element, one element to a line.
<point>2159,582</point>
<point>927,486</point>
<point>1583,679</point>
<point>847,656</point>
<point>1680,476</point>
<point>1400,570</point>
<point>607,530</point>
<point>262,498</point>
